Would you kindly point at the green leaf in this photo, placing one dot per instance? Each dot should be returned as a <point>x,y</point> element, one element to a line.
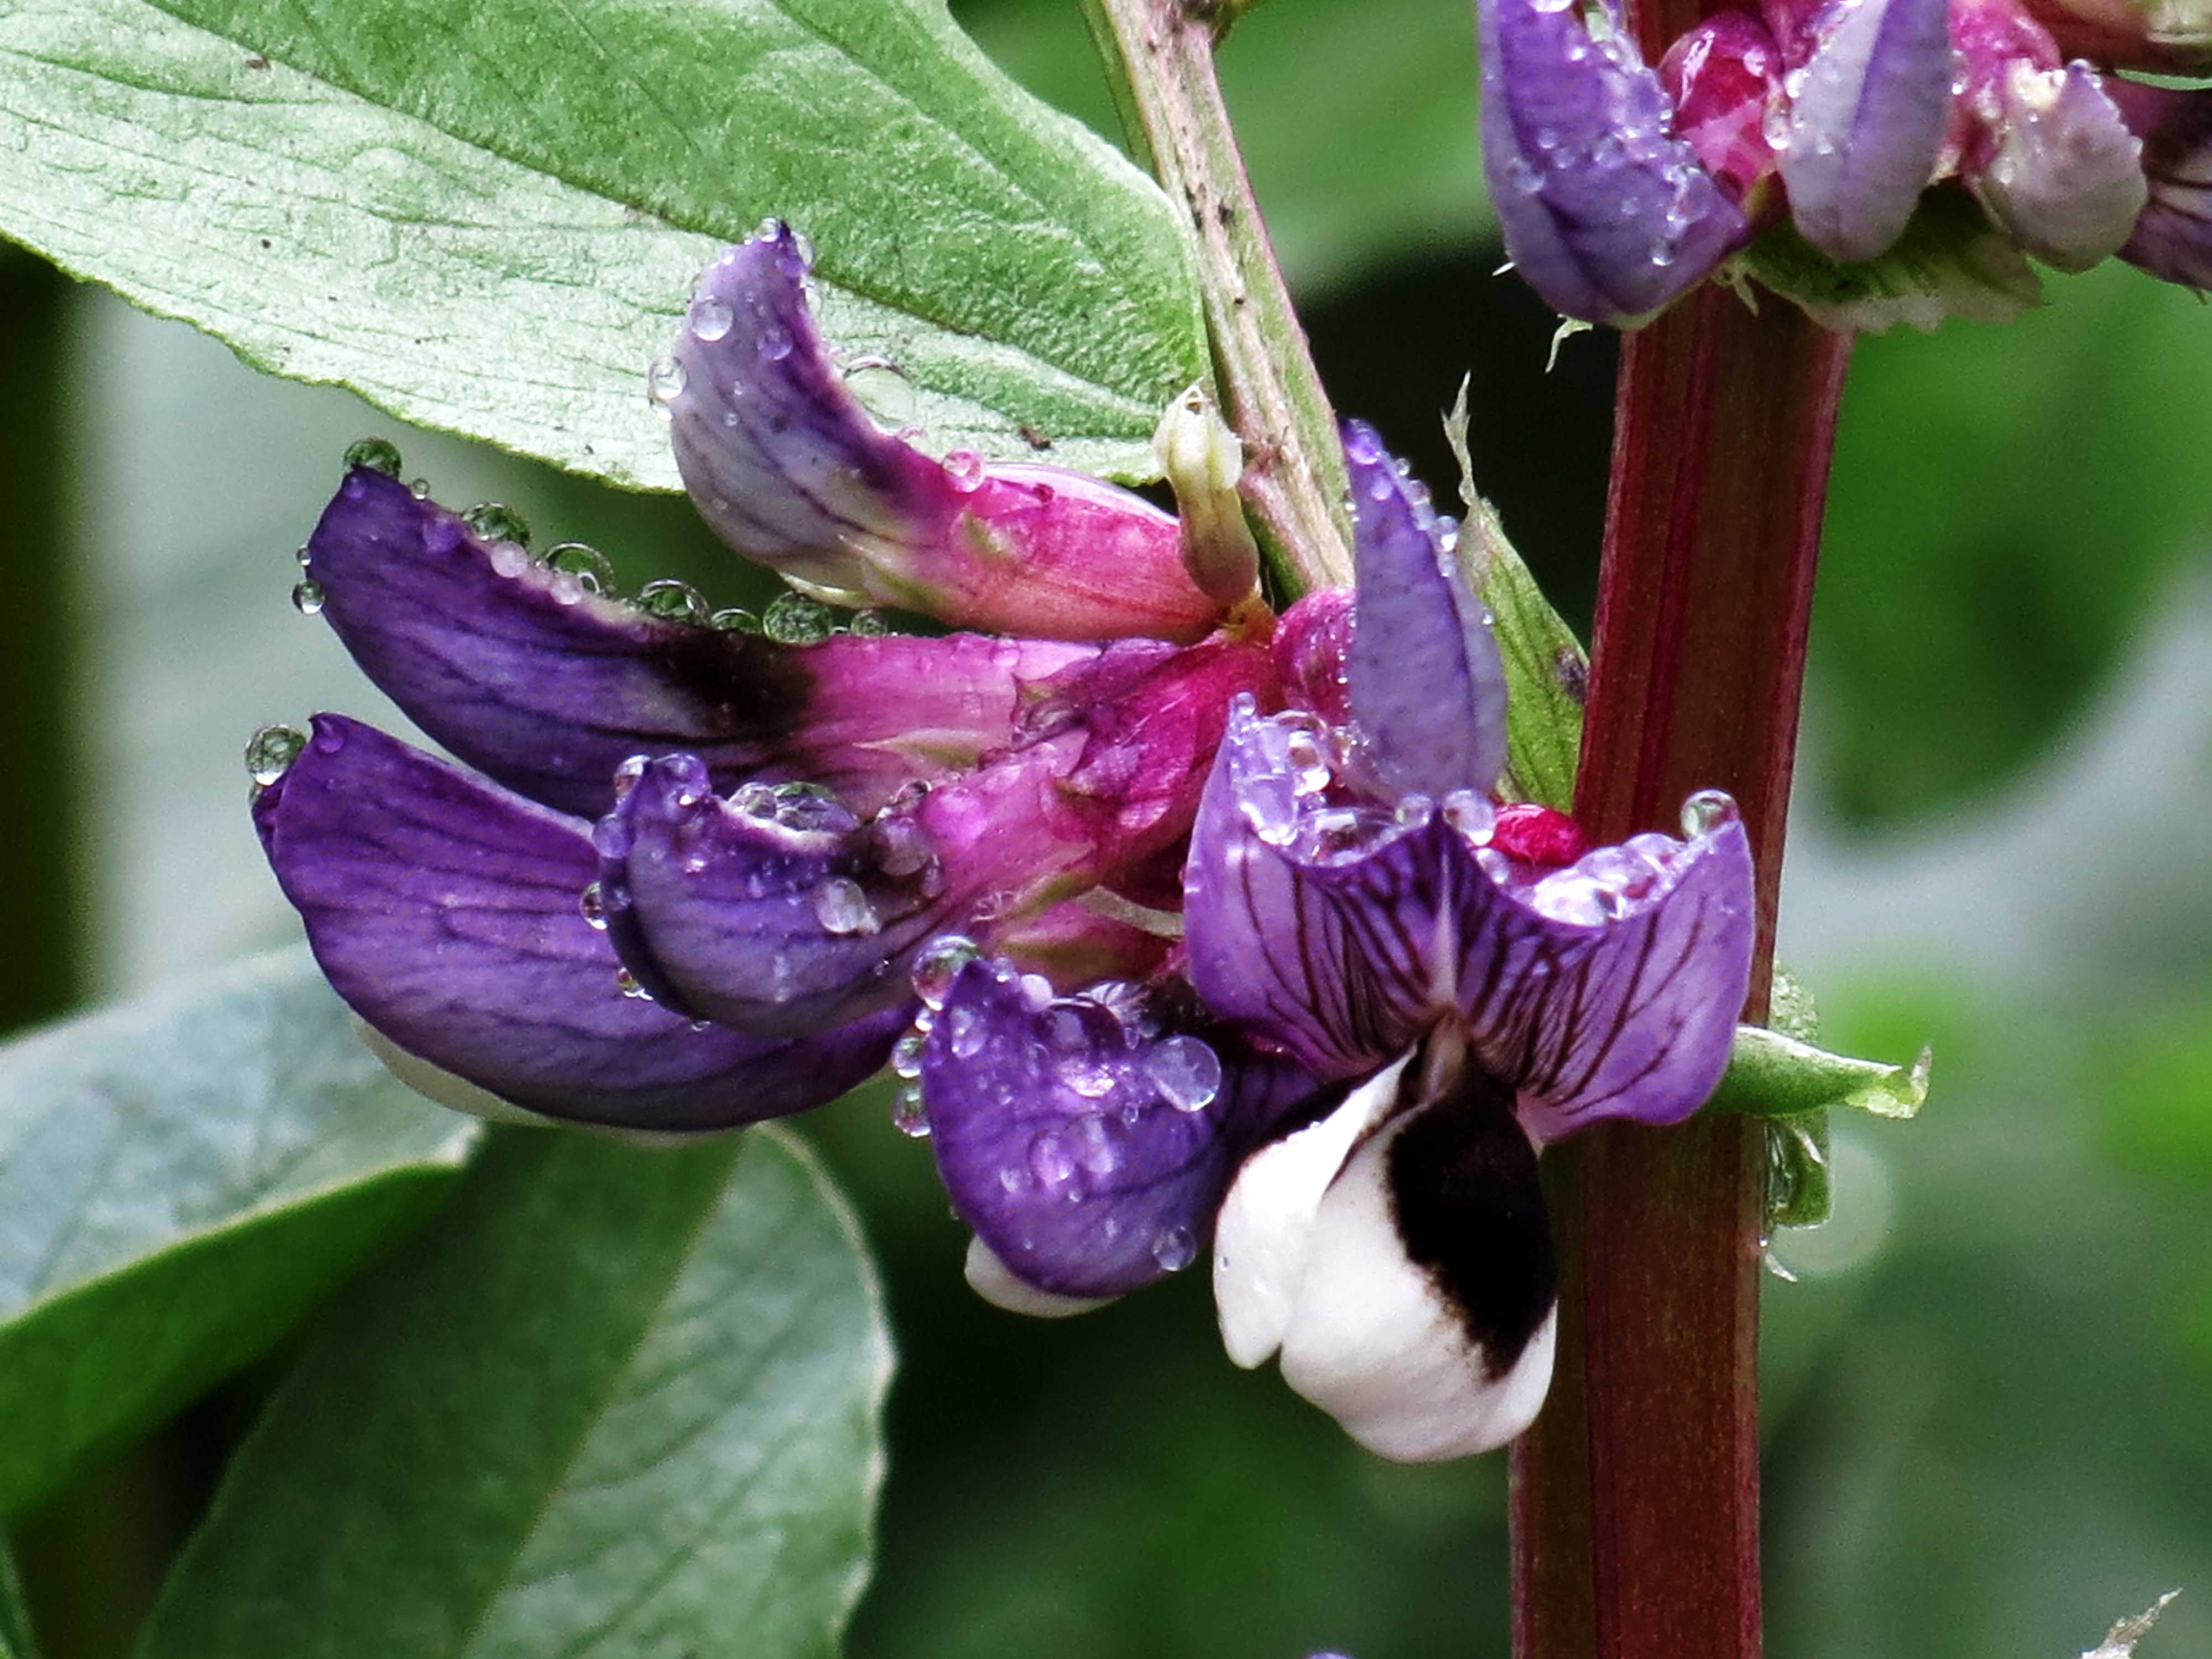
<point>1770,1075</point>
<point>14,1618</point>
<point>485,215</point>
<point>1546,669</point>
<point>180,1181</point>
<point>611,1402</point>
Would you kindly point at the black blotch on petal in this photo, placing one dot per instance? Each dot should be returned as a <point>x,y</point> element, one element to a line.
<point>749,688</point>
<point>1464,1193</point>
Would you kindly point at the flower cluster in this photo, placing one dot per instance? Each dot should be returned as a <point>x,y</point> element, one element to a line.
<point>1193,926</point>
<point>1843,125</point>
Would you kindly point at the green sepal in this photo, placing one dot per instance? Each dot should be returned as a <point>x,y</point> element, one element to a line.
<point>1771,1075</point>
<point>1545,669</point>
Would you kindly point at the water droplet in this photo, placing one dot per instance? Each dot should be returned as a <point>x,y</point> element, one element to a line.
<point>508,558</point>
<point>304,554</point>
<point>774,345</point>
<point>883,389</point>
<point>909,1116</point>
<point>1472,815</point>
<point>842,908</point>
<point>586,565</point>
<point>665,380</point>
<point>869,624</point>
<point>495,521</point>
<point>672,601</point>
<point>1174,1248</point>
<point>964,467</point>
<point>936,965</point>
<point>1706,812</point>
<point>420,490</point>
<point>377,454</point>
<point>1036,992</point>
<point>626,982</point>
<point>628,773</point>
<point>1186,1071</point>
<point>965,1031</point>
<point>1523,175</point>
<point>269,751</point>
<point>593,907</point>
<point>308,596</point>
<point>735,620</point>
<point>710,317</point>
<point>1049,1159</point>
<point>1309,768</point>
<point>795,619</point>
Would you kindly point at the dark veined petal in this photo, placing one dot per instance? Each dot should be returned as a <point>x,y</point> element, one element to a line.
<point>446,913</point>
<point>1340,931</point>
<point>1087,1139</point>
<point>1867,118</point>
<point>1606,214</point>
<point>546,687</point>
<point>1427,687</point>
<point>788,469</point>
<point>2173,239</point>
<point>2066,180</point>
<point>1397,1253</point>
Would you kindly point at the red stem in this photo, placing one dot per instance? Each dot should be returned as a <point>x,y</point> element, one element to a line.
<point>1636,1495</point>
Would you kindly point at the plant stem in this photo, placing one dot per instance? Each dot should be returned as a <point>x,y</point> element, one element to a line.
<point>1635,1502</point>
<point>1159,57</point>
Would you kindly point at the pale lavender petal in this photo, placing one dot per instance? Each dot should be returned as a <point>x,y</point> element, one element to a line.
<point>1606,214</point>
<point>1867,118</point>
<point>1428,690</point>
<point>546,687</point>
<point>2173,239</point>
<point>2066,180</point>
<point>448,913</point>
<point>1088,1139</point>
<point>788,469</point>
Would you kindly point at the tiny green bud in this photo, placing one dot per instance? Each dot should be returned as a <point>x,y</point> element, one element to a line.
<point>1202,461</point>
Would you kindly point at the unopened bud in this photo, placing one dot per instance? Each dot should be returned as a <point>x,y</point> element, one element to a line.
<point>1202,461</point>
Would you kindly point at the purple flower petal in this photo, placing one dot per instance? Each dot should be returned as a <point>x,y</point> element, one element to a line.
<point>1428,690</point>
<point>1339,931</point>
<point>788,469</point>
<point>1087,1139</point>
<point>446,913</point>
<point>2173,239</point>
<point>2066,180</point>
<point>547,687</point>
<point>1606,214</point>
<point>1867,117</point>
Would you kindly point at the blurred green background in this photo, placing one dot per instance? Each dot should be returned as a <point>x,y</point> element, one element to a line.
<point>1988,1429</point>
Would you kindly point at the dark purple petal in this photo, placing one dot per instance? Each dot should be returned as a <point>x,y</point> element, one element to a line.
<point>1867,117</point>
<point>2173,239</point>
<point>789,469</point>
<point>446,913</point>
<point>1087,1139</point>
<point>1606,214</point>
<point>1339,931</point>
<point>2066,180</point>
<point>1428,690</point>
<point>546,687</point>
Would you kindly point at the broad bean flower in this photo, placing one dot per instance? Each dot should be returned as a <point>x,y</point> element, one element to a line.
<point>1191,928</point>
<point>1946,137</point>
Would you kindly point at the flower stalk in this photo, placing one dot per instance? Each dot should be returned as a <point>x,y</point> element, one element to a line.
<point>1634,1497</point>
<point>1159,59</point>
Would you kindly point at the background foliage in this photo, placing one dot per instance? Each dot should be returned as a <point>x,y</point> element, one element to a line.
<point>1986,1412</point>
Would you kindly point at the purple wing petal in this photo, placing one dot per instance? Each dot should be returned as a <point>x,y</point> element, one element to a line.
<point>547,688</point>
<point>788,469</point>
<point>1428,690</point>
<point>2173,239</point>
<point>445,912</point>
<point>1867,119</point>
<point>2067,178</point>
<point>1605,213</point>
<point>1088,1139</point>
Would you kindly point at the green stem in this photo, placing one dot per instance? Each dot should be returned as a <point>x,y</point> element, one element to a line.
<point>1159,59</point>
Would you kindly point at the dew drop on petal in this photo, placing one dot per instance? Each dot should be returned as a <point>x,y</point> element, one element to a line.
<point>795,619</point>
<point>1706,812</point>
<point>965,1033</point>
<point>377,454</point>
<point>672,601</point>
<point>1036,992</point>
<point>665,380</point>
<point>1050,1161</point>
<point>584,566</point>
<point>626,982</point>
<point>909,1116</point>
<point>1174,1248</point>
<point>964,467</point>
<point>508,558</point>
<point>710,318</point>
<point>868,624</point>
<point>308,596</point>
<point>593,907</point>
<point>735,620</point>
<point>936,966</point>
<point>774,345</point>
<point>495,521</point>
<point>1186,1071</point>
<point>842,908</point>
<point>269,751</point>
<point>906,1054</point>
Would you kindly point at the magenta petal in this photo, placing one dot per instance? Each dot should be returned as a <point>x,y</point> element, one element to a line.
<point>1725,77</point>
<point>1312,649</point>
<point>789,469</point>
<point>1427,689</point>
<point>2173,239</point>
<point>1088,1139</point>
<point>1606,214</point>
<point>1867,119</point>
<point>546,687</point>
<point>446,913</point>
